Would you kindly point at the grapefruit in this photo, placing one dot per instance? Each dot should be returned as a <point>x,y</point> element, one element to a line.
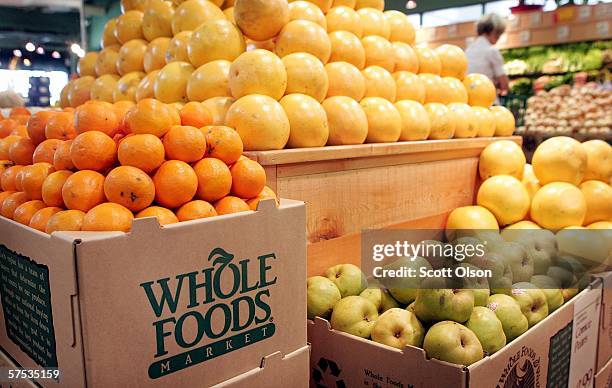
<point>560,159</point>
<point>415,120</point>
<point>80,92</point>
<point>102,88</point>
<point>177,48</point>
<point>379,83</point>
<point>108,34</point>
<point>129,26</point>
<point>530,181</point>
<point>454,91</point>
<point>155,55</point>
<point>434,87</point>
<point>484,121</point>
<point>598,196</point>
<point>344,19</point>
<point>306,75</point>
<point>505,197</point>
<point>106,63</point>
<point>405,57</point>
<point>376,4</point>
<point>453,61</point>
<point>502,157</point>
<point>145,87</point>
<point>480,89</point>
<point>523,225</point>
<point>428,61</point>
<point>307,121</point>
<point>87,64</point>
<point>374,22</point>
<point>157,19</point>
<point>125,89</point>
<point>504,121</point>
<point>131,56</point>
<point>171,82</point>
<point>470,217</point>
<point>345,80</point>
<point>304,10</point>
<point>465,121</point>
<point>402,29</point>
<point>384,121</point>
<point>379,52</point>
<point>558,205</point>
<point>441,120</point>
<point>303,36</point>
<point>346,47</point>
<point>190,14</point>
<point>209,80</point>
<point>213,40</point>
<point>261,19</point>
<point>599,161</point>
<point>258,72</point>
<point>409,86</point>
<point>348,123</point>
<point>218,107</point>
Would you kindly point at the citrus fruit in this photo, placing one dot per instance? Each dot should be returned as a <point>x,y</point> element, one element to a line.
<point>379,83</point>
<point>464,119</point>
<point>102,88</point>
<point>384,121</point>
<point>195,114</point>
<point>348,123</point>
<point>107,61</point>
<point>149,116</point>
<point>40,219</point>
<point>52,188</point>
<point>195,210</point>
<point>65,220</point>
<point>306,75</point>
<point>378,52</point>
<point>258,72</point>
<point>175,183</point>
<point>108,217</point>
<point>214,40</point>
<point>125,90</point>
<point>523,225</point>
<point>530,181</point>
<point>346,47</point>
<point>434,88</point>
<point>24,212</point>
<point>131,56</point>
<point>83,190</point>
<point>374,22</point>
<point>164,216</point>
<point>93,150</point>
<point>345,80</point>
<point>505,197</point>
<point>409,87</point>
<point>214,179</point>
<point>223,143</point>
<point>45,151</point>
<point>504,121</point>
<point>145,87</point>
<point>61,158</point>
<point>558,205</point>
<point>96,116</point>
<point>21,151</point>
<point>185,143</point>
<point>12,202</point>
<point>80,92</point>
<point>453,61</point>
<point>470,217</point>
<point>502,157</point>
<point>87,64</point>
<point>414,119</point>
<point>209,80</point>
<point>454,91</point>
<point>157,19</point>
<point>266,193</point>
<point>598,196</point>
<point>405,57</point>
<point>171,82</point>
<point>230,204</point>
<point>144,151</point>
<point>428,61</point>
<point>441,120</point>
<point>485,122</point>
<point>307,120</point>
<point>560,159</point>
<point>108,34</point>
<point>376,4</point>
<point>261,19</point>
<point>344,19</point>
<point>129,26</point>
<point>402,29</point>
<point>218,108</point>
<point>599,160</point>
<point>480,89</point>
<point>303,36</point>
<point>130,187</point>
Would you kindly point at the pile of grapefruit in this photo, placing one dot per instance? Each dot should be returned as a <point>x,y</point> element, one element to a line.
<point>291,73</point>
<point>99,166</point>
<point>567,185</point>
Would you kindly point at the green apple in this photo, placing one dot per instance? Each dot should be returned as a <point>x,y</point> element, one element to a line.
<point>410,307</point>
<point>488,328</point>
<point>562,276</point>
<point>592,246</point>
<point>468,248</point>
<point>348,278</point>
<point>354,315</point>
<point>322,295</point>
<point>554,296</point>
<point>442,304</point>
<point>516,256</point>
<point>532,301</point>
<point>404,289</point>
<point>397,327</point>
<point>540,245</point>
<point>452,342</point>
<point>509,313</point>
<point>569,293</point>
<point>571,263</point>
<point>381,298</point>
<point>501,272</point>
<point>433,252</point>
<point>479,286</point>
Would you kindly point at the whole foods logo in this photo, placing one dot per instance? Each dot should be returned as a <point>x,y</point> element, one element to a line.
<point>225,307</point>
<point>521,371</point>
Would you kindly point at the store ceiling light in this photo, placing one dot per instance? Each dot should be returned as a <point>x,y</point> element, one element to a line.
<point>30,46</point>
<point>17,53</point>
<point>56,55</point>
<point>75,48</point>
<point>411,4</point>
<point>40,50</point>
<point>27,62</point>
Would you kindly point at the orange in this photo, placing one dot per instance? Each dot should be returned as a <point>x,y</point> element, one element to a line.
<point>4,164</point>
<point>83,190</point>
<point>441,120</point>
<point>401,28</point>
<point>96,116</point>
<point>108,34</point>
<point>306,75</point>
<point>409,86</point>
<point>19,179</point>
<point>65,220</point>
<point>125,90</point>
<point>157,19</point>
<point>191,13</point>
<point>230,204</point>
<point>345,80</point>
<point>129,26</point>
<point>149,116</point>
<point>346,47</point>
<point>4,195</point>
<point>87,64</point>
<point>258,72</point>
<point>229,14</point>
<point>64,102</point>
<point>177,48</point>
<point>121,109</point>
<point>52,188</point>
<point>223,143</point>
<point>171,82</point>
<point>480,89</point>
<point>130,187</point>
<point>303,10</point>
<point>348,123</point>
<point>11,203</point>
<point>175,183</point>
<point>24,212</point>
<point>344,19</point>
<point>80,92</point>
<point>36,125</point>
<point>19,111</point>
<point>453,61</point>
<point>379,52</point>
<point>145,87</point>
<point>303,36</point>
<point>185,143</point>
<point>145,152</point>
<point>5,145</point>
<point>415,120</point>
<point>379,83</point>
<point>260,121</point>
<point>155,54</point>
<point>405,57</point>
<point>33,177</point>
<point>61,158</point>
<point>20,130</point>
<point>93,150</point>
<point>21,151</point>
<point>209,80</point>
<point>261,19</point>
<point>40,219</point>
<point>194,210</point>
<point>195,114</point>
<point>45,151</point>
<point>6,127</point>
<point>108,216</point>
<point>8,177</point>
<point>307,120</point>
<point>218,108</point>
<point>214,40</point>
<point>428,61</point>
<point>131,56</point>
<point>60,126</point>
<point>248,178</point>
<point>266,193</point>
<point>163,215</point>
<point>214,179</point>
<point>384,121</point>
<point>21,119</point>
<point>107,61</point>
<point>374,22</point>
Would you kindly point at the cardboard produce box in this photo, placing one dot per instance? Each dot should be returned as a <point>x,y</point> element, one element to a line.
<point>557,352</point>
<point>604,351</point>
<point>603,379</point>
<point>196,302</point>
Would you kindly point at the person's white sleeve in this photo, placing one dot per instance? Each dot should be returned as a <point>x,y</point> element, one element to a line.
<point>497,63</point>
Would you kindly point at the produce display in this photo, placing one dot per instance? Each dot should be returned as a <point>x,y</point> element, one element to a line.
<point>291,74</point>
<point>530,223</point>
<point>99,166</point>
<point>565,110</point>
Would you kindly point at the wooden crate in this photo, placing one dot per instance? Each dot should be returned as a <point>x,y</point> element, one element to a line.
<point>351,188</point>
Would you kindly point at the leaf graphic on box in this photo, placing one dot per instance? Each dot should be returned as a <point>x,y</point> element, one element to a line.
<point>220,256</point>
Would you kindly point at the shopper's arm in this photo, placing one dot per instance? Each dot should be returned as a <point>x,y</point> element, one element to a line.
<point>501,79</point>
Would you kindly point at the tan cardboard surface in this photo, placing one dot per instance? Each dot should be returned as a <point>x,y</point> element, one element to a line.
<point>289,371</point>
<point>604,351</point>
<point>603,379</point>
<point>6,362</point>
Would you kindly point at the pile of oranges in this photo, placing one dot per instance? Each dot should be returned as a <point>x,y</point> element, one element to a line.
<point>291,73</point>
<point>99,166</point>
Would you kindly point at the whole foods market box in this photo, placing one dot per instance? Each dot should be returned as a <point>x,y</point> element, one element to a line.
<point>202,301</point>
<point>604,352</point>
<point>557,352</point>
<point>603,379</point>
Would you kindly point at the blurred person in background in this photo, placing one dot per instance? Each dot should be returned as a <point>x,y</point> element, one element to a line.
<point>10,99</point>
<point>483,57</point>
